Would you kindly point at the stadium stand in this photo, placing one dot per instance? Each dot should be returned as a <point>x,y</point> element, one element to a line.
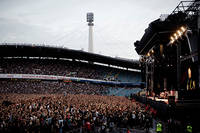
<point>65,68</point>
<point>50,87</point>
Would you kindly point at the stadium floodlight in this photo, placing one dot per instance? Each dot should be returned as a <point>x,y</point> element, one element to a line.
<point>90,19</point>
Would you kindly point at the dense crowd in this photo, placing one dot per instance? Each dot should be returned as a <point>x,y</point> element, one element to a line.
<point>64,113</point>
<point>56,67</point>
<point>59,106</point>
<point>51,87</point>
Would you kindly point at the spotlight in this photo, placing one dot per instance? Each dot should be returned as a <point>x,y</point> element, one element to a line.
<point>152,51</point>
<point>176,36</point>
<point>172,39</point>
<point>179,33</point>
<point>183,29</point>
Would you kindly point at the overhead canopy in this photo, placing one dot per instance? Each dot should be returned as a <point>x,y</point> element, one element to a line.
<point>21,50</point>
<point>159,32</point>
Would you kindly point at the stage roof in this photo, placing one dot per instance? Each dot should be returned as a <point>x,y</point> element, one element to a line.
<point>159,31</point>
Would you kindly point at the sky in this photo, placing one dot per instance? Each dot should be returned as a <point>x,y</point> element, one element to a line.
<point>62,23</point>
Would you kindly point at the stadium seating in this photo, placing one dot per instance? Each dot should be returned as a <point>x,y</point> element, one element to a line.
<point>51,87</point>
<point>66,68</point>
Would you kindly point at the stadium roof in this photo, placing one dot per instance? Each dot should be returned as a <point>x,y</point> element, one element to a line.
<point>32,50</point>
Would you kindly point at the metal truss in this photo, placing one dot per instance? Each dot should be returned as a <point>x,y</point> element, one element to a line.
<point>188,7</point>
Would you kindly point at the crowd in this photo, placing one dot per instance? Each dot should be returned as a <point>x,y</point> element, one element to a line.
<point>64,113</point>
<point>65,68</point>
<point>57,106</point>
<point>51,87</point>
<point>55,67</point>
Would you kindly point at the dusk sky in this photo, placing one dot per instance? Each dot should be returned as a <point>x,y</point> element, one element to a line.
<point>117,23</point>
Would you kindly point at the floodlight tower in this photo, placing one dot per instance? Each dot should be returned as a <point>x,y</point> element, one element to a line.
<point>90,19</point>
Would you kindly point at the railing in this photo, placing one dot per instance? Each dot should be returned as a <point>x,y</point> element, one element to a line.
<point>107,130</point>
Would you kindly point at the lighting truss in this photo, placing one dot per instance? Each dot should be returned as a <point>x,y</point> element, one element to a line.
<point>188,7</point>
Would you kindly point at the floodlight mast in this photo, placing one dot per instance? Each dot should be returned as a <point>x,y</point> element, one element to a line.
<point>90,19</point>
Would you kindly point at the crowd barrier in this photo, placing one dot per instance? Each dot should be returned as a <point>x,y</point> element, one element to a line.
<point>161,107</point>
<point>99,130</point>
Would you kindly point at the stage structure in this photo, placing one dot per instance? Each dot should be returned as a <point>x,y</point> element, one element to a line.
<point>90,19</point>
<point>169,53</point>
<point>170,61</point>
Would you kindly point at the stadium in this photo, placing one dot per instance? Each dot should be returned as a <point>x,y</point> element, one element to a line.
<point>47,88</point>
<point>31,72</point>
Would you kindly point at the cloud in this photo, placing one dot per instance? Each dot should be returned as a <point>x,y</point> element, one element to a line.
<point>14,31</point>
<point>117,23</point>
